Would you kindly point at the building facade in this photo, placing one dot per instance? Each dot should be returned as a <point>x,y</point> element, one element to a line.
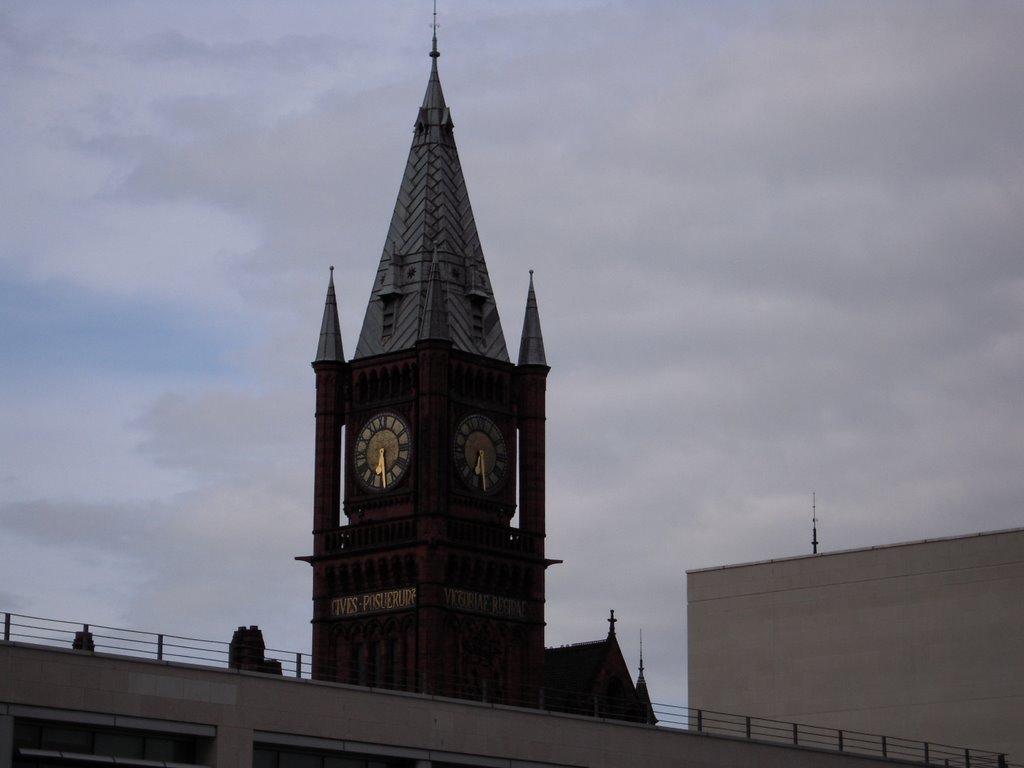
<point>63,707</point>
<point>924,639</point>
<point>428,442</point>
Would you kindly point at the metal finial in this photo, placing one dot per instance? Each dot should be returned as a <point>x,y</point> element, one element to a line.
<point>434,53</point>
<point>611,623</point>
<point>814,522</point>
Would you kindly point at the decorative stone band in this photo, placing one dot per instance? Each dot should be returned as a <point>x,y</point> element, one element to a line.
<point>402,599</point>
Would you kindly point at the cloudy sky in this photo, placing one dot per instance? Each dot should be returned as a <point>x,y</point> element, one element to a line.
<point>778,250</point>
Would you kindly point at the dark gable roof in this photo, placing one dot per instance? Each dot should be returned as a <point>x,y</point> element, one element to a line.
<point>592,679</point>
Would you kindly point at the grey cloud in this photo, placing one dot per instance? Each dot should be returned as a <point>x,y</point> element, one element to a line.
<point>777,252</point>
<point>71,524</point>
<point>292,52</point>
<point>223,432</point>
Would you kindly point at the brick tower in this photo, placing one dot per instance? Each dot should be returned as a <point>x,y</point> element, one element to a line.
<point>428,441</point>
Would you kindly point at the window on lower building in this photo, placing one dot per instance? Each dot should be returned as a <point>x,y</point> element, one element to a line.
<point>43,744</point>
<point>272,757</point>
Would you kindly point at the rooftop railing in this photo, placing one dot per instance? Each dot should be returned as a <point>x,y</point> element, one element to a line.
<point>833,739</point>
<point>131,642</point>
<point>188,650</point>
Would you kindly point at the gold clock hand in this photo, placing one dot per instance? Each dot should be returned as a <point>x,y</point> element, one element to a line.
<point>382,469</point>
<point>481,469</point>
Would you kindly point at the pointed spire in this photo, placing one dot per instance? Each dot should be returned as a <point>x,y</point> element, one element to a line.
<point>531,345</point>
<point>433,99</point>
<point>330,348</point>
<point>640,676</point>
<point>434,322</point>
<point>641,688</point>
<point>432,218</point>
<point>434,111</point>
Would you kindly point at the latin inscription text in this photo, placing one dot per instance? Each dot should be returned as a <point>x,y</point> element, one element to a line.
<point>373,602</point>
<point>477,602</point>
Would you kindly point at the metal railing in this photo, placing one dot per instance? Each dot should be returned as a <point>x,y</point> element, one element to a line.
<point>833,739</point>
<point>188,650</point>
<point>143,645</point>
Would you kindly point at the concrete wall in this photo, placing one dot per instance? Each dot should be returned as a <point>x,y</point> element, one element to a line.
<point>922,640</point>
<point>231,710</point>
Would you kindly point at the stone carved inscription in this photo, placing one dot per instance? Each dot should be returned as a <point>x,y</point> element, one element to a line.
<point>373,602</point>
<point>492,605</point>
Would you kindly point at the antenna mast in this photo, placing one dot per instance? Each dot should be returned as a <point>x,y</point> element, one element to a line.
<point>814,522</point>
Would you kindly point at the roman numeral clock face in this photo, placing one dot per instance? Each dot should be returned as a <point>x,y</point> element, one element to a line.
<point>382,451</point>
<point>481,456</point>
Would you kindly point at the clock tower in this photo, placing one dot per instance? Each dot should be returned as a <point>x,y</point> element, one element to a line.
<point>429,441</point>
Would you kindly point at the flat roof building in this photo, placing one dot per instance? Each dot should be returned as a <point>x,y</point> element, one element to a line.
<point>64,707</point>
<point>924,639</point>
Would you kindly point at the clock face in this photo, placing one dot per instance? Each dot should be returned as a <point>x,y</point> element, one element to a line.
<point>382,451</point>
<point>481,456</point>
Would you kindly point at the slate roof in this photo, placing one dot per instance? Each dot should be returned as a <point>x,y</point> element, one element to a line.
<point>432,216</point>
<point>578,678</point>
<point>434,319</point>
<point>329,348</point>
<point>573,668</point>
<point>531,344</point>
